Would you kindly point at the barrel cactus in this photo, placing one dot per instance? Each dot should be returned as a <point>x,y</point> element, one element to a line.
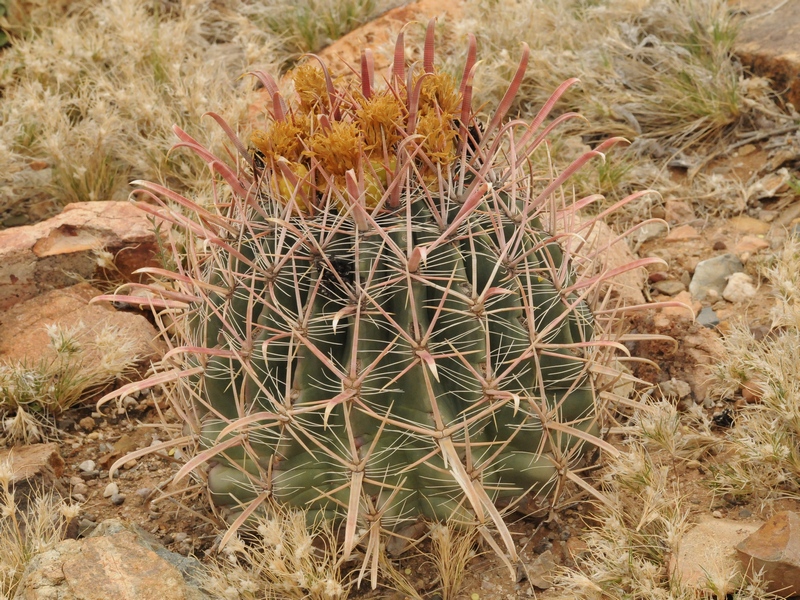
<point>380,319</point>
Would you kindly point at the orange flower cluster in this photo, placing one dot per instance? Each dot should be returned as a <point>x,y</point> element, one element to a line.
<point>309,148</point>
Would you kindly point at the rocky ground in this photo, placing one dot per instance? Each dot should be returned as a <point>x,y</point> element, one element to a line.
<point>50,270</point>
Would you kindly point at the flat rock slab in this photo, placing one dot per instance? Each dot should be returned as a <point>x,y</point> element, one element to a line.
<point>23,327</point>
<point>118,564</point>
<point>707,554</point>
<point>33,460</point>
<point>774,550</point>
<point>768,43</point>
<point>64,250</point>
<point>604,252</point>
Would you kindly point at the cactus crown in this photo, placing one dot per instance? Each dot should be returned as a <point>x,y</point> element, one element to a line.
<point>384,323</point>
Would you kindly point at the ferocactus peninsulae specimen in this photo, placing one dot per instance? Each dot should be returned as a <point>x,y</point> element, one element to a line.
<point>387,315</point>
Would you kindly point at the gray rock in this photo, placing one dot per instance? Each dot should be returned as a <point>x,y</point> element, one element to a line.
<point>675,388</point>
<point>117,499</point>
<point>542,571</point>
<point>707,317</point>
<point>711,276</point>
<point>87,466</point>
<point>650,231</point>
<point>670,287</point>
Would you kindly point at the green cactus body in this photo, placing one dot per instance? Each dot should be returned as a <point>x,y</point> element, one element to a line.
<point>385,329</point>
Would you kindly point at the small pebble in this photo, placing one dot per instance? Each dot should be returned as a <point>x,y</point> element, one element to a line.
<point>130,464</point>
<point>87,466</point>
<point>542,547</point>
<point>85,527</point>
<point>719,245</point>
<point>670,287</point>
<point>111,489</point>
<point>716,514</point>
<point>740,288</point>
<point>181,537</point>
<point>78,497</point>
<point>745,513</point>
<point>707,317</point>
<point>144,492</point>
<point>117,499</point>
<point>80,489</point>
<point>87,424</point>
<point>75,480</point>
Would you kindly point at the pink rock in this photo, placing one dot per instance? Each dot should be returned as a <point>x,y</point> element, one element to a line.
<point>749,225</point>
<point>608,253</point>
<point>23,327</point>
<point>706,555</point>
<point>678,212</point>
<point>750,244</point>
<point>123,565</point>
<point>27,462</point>
<point>775,551</point>
<point>66,249</point>
<point>687,312</point>
<point>682,234</point>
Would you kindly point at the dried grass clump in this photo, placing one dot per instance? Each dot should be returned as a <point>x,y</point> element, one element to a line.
<point>310,25</point>
<point>641,521</point>
<point>282,558</point>
<point>27,531</point>
<point>657,70</point>
<point>94,94</point>
<point>765,439</point>
<point>660,73</point>
<point>82,363</point>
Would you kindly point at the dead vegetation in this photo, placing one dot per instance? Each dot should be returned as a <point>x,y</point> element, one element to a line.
<point>659,73</point>
<point>82,362</point>
<point>26,531</point>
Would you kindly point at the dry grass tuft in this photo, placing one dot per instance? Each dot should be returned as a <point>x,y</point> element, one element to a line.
<point>94,95</point>
<point>24,533</point>
<point>765,440</point>
<point>310,25</point>
<point>660,73</point>
<point>283,558</point>
<point>82,364</point>
<point>640,525</point>
<point>452,547</point>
